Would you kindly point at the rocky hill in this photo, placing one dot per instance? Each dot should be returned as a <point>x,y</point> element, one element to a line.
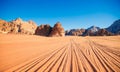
<point>75,32</point>
<point>91,31</point>
<point>57,30</point>
<point>5,27</point>
<point>103,32</point>
<point>43,30</point>
<point>29,27</point>
<point>18,26</point>
<point>47,30</point>
<point>115,27</point>
<point>25,27</point>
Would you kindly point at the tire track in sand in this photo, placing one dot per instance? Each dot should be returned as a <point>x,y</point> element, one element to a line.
<point>75,57</point>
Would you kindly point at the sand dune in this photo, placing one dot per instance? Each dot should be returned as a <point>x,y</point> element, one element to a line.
<point>23,53</point>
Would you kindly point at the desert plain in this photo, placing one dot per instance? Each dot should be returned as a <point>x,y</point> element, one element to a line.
<point>32,53</point>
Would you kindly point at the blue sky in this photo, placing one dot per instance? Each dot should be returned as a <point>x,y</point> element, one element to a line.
<point>71,13</point>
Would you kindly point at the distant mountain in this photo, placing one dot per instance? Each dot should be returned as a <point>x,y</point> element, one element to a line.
<point>103,32</point>
<point>115,27</point>
<point>75,32</point>
<point>91,31</point>
<point>29,27</point>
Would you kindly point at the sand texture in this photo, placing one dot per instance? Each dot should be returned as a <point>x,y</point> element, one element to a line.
<point>30,53</point>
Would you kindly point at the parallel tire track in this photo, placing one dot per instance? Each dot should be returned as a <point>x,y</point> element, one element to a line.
<point>74,57</point>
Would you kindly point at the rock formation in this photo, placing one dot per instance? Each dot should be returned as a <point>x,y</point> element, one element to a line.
<point>57,30</point>
<point>115,27</point>
<point>8,27</point>
<point>75,32</point>
<point>4,27</point>
<point>43,30</point>
<point>104,32</point>
<point>17,26</point>
<point>91,31</point>
<point>25,27</point>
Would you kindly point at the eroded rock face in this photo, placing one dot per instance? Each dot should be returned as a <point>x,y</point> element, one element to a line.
<point>18,26</point>
<point>115,27</point>
<point>57,30</point>
<point>3,26</point>
<point>104,32</point>
<point>91,31</point>
<point>43,30</point>
<point>75,32</point>
<point>8,27</point>
<point>25,27</point>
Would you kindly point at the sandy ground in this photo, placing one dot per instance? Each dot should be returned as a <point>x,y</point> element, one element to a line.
<point>29,53</point>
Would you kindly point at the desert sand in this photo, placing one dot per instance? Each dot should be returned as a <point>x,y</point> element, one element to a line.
<point>30,53</point>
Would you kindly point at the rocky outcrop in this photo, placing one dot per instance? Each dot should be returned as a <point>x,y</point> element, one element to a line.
<point>115,27</point>
<point>8,27</point>
<point>91,31</point>
<point>18,26</point>
<point>75,32</point>
<point>104,32</point>
<point>25,27</point>
<point>4,27</point>
<point>43,30</point>
<point>57,30</point>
